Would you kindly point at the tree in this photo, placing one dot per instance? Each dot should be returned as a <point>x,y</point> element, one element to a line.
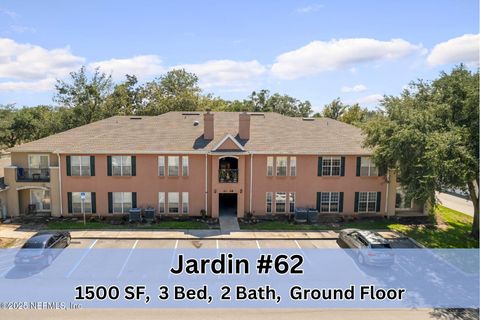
<point>125,99</point>
<point>86,97</point>
<point>354,115</point>
<point>430,135</point>
<point>262,101</point>
<point>334,109</point>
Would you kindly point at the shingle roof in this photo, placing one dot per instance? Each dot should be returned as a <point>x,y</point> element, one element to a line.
<point>176,131</point>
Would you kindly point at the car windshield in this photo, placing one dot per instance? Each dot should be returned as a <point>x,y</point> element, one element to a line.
<point>33,245</point>
<point>380,246</point>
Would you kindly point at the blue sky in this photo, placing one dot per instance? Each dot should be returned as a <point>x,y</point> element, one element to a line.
<point>312,50</point>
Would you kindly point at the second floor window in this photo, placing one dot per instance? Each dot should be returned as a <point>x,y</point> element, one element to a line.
<point>185,166</point>
<point>80,165</point>
<point>121,165</point>
<point>38,161</point>
<point>269,166</point>
<point>331,166</point>
<point>367,167</point>
<point>281,166</point>
<point>293,166</point>
<point>161,166</point>
<point>173,165</point>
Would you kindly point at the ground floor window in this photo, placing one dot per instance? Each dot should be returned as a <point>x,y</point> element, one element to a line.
<point>269,202</point>
<point>122,202</point>
<point>402,201</point>
<point>77,202</point>
<point>161,202</point>
<point>41,199</point>
<point>280,201</point>
<point>367,202</point>
<point>184,202</point>
<point>329,202</point>
<point>291,202</point>
<point>173,202</point>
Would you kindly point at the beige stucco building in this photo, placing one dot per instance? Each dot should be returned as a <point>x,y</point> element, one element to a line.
<point>187,163</point>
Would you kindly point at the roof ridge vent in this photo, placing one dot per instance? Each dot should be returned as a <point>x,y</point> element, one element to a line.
<point>308,119</point>
<point>135,118</point>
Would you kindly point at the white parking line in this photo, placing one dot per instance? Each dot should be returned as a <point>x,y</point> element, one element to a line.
<point>258,244</point>
<point>173,256</point>
<point>126,260</point>
<point>217,244</point>
<point>303,252</point>
<point>298,245</point>
<point>81,259</point>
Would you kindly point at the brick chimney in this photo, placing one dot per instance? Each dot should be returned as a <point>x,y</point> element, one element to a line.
<point>208,131</point>
<point>244,125</point>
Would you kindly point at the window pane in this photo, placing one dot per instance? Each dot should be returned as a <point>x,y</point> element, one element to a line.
<point>173,199</point>
<point>269,202</point>
<point>126,161</point>
<point>293,166</point>
<point>269,166</point>
<point>161,202</point>
<point>75,161</point>
<point>185,202</point>
<point>281,166</point>
<point>280,200</point>
<point>185,166</point>
<point>291,202</point>
<point>173,163</point>
<point>116,160</point>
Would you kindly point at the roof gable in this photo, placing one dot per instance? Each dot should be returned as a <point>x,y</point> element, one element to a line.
<point>228,143</point>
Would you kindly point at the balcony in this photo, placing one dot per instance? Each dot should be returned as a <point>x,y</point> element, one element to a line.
<point>33,175</point>
<point>228,175</point>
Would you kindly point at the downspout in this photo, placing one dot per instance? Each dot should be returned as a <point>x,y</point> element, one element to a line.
<point>251,181</point>
<point>386,195</point>
<point>60,183</point>
<point>206,183</point>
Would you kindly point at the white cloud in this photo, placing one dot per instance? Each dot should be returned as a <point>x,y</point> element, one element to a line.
<point>226,73</point>
<point>370,99</point>
<point>461,49</point>
<point>142,66</point>
<point>355,88</point>
<point>310,8</point>
<point>30,86</point>
<point>31,62</point>
<point>9,13</point>
<point>319,56</point>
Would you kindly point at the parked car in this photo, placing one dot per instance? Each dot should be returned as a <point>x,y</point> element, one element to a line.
<point>42,248</point>
<point>375,250</point>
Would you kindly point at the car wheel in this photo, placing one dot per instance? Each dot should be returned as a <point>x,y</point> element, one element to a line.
<point>360,259</point>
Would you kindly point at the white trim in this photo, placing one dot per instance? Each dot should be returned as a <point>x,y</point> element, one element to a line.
<point>228,136</point>
<point>206,183</point>
<point>60,183</point>
<point>227,156</point>
<point>32,187</point>
<point>251,182</point>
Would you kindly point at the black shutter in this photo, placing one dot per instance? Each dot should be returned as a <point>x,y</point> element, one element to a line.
<point>340,203</point>
<point>342,167</point>
<point>94,202</point>
<point>110,202</point>
<point>382,171</point>
<point>109,165</point>
<point>379,201</point>
<point>359,163</point>
<point>92,166</point>
<point>319,196</point>
<point>69,166</point>
<point>69,200</point>
<point>134,165</point>
<point>320,167</point>
<point>134,199</point>
<point>357,194</point>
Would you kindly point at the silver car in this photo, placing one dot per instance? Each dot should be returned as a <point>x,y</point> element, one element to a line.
<point>373,250</point>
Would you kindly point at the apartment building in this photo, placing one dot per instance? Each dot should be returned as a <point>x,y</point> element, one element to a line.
<point>190,162</point>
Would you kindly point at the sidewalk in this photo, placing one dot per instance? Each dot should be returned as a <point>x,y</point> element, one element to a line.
<point>9,231</point>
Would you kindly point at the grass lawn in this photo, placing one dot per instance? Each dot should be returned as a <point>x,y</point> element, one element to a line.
<point>450,230</point>
<point>78,225</point>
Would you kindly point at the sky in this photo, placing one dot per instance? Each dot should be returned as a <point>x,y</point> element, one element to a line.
<point>311,50</point>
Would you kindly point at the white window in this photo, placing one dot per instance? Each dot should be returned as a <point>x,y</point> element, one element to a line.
<point>269,202</point>
<point>161,202</point>
<point>173,165</point>
<point>402,201</point>
<point>173,202</point>
<point>80,165</point>
<point>185,166</point>
<point>122,202</point>
<point>331,166</point>
<point>280,201</point>
<point>293,166</point>
<point>77,202</point>
<point>184,202</point>
<point>367,202</point>
<point>121,165</point>
<point>291,202</point>
<point>269,166</point>
<point>38,161</point>
<point>161,166</point>
<point>281,166</point>
<point>41,199</point>
<point>329,202</point>
<point>367,167</point>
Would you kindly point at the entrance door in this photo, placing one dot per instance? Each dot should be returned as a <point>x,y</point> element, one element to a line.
<point>227,204</point>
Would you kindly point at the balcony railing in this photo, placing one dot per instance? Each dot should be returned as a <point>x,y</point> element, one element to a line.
<point>228,175</point>
<point>33,175</point>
